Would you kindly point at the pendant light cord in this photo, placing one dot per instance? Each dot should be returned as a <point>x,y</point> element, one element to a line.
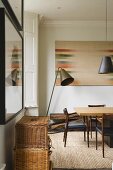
<point>106,20</point>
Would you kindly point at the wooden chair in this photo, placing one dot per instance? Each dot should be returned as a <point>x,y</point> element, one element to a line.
<point>104,128</point>
<point>73,122</point>
<point>92,119</point>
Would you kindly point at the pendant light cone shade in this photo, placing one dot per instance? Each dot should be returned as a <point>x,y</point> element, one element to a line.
<point>14,77</point>
<point>65,78</point>
<point>106,65</point>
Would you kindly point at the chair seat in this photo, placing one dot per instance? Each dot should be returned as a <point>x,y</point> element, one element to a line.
<point>76,125</point>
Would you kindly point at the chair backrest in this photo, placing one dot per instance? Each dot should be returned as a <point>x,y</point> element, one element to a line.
<point>66,114</point>
<point>106,120</point>
<point>70,116</point>
<point>107,117</point>
<point>97,105</point>
<point>65,111</point>
<point>67,118</point>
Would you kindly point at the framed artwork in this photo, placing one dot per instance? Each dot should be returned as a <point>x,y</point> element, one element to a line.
<point>15,9</point>
<point>11,66</point>
<point>82,60</point>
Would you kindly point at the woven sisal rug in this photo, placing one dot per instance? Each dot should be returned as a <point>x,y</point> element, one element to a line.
<point>81,169</point>
<point>77,156</point>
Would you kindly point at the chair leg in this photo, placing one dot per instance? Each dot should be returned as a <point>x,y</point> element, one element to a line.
<point>96,132</point>
<point>84,135</point>
<point>91,126</point>
<point>88,138</point>
<point>65,135</point>
<point>87,122</point>
<point>65,138</point>
<point>84,119</point>
<point>96,139</point>
<point>103,145</point>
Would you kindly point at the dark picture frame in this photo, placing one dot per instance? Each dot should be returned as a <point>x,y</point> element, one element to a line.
<point>15,10</point>
<point>15,87</point>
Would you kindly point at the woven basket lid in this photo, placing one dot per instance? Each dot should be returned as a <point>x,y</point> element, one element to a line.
<point>33,121</point>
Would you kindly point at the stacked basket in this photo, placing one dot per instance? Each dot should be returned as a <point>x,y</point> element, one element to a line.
<point>32,143</point>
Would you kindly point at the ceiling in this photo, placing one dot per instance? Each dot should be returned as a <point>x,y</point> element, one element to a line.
<point>71,9</point>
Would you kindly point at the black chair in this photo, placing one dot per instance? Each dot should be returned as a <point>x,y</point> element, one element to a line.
<point>92,119</point>
<point>104,128</point>
<point>73,122</point>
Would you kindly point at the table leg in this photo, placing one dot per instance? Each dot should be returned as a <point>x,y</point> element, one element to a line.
<point>87,123</point>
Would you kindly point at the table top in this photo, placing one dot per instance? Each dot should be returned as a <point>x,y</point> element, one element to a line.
<point>93,111</point>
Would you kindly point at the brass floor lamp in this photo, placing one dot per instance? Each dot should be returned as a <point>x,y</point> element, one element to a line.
<point>65,79</point>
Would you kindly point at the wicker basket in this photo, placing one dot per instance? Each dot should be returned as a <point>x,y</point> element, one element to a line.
<point>32,132</point>
<point>31,159</point>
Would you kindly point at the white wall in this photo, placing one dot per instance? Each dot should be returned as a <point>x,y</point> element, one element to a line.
<point>7,142</point>
<point>69,96</point>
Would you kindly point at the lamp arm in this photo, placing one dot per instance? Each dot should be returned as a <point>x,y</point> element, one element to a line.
<point>52,91</point>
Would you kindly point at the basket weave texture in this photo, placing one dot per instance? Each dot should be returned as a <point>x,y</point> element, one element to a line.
<point>32,132</point>
<point>31,159</point>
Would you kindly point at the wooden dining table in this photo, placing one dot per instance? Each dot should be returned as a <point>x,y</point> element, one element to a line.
<point>96,111</point>
<point>93,111</point>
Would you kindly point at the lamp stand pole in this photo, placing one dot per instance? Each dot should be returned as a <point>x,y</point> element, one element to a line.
<point>52,91</point>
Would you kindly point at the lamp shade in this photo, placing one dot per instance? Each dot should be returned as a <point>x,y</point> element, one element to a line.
<point>106,65</point>
<point>65,78</point>
<point>14,76</point>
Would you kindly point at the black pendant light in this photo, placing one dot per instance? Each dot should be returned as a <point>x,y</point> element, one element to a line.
<point>106,65</point>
